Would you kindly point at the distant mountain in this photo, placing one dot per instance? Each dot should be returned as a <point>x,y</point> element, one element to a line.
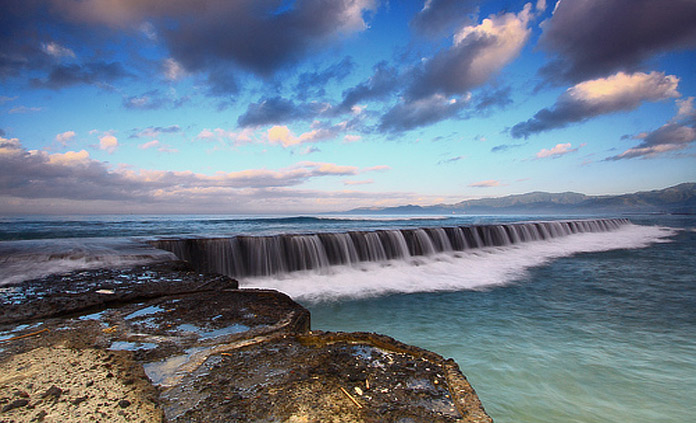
<point>677,199</point>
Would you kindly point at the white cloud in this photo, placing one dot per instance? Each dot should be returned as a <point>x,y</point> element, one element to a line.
<point>73,182</point>
<point>477,53</point>
<point>503,36</point>
<point>108,143</point>
<point>70,158</point>
<point>56,50</point>
<point>242,137</point>
<point>557,151</point>
<point>149,31</point>
<point>685,108</point>
<point>24,109</point>
<point>486,184</point>
<point>283,136</point>
<point>149,144</point>
<point>624,91</point>
<point>164,148</point>
<point>65,137</point>
<point>362,182</point>
<point>619,92</point>
<point>173,70</point>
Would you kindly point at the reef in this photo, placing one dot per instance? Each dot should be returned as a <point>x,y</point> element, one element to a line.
<point>164,343</point>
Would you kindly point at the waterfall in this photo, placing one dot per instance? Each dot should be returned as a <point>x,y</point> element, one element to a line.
<point>243,256</point>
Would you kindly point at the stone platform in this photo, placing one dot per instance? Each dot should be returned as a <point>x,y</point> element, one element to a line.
<point>165,343</point>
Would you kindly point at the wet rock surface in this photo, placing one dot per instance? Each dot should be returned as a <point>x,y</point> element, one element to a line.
<point>179,346</point>
<point>68,293</point>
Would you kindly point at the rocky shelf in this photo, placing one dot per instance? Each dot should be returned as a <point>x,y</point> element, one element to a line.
<point>164,343</point>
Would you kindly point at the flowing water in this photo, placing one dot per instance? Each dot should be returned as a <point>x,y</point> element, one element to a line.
<point>579,320</point>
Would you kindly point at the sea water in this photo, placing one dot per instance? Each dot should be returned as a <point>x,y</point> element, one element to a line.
<point>585,328</point>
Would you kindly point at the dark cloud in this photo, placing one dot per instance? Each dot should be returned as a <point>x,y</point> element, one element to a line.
<point>620,92</point>
<point>312,83</point>
<point>594,38</point>
<point>439,16</point>
<point>35,40</point>
<point>383,82</point>
<point>505,147</point>
<point>257,35</point>
<point>153,100</point>
<point>492,99</point>
<point>451,160</point>
<point>212,37</point>
<point>278,110</point>
<point>155,131</point>
<point>413,114</point>
<point>449,72</point>
<point>95,73</point>
<point>19,39</point>
<point>222,83</point>
<point>675,135</point>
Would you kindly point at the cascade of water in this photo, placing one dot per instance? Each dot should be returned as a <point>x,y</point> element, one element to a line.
<point>268,255</point>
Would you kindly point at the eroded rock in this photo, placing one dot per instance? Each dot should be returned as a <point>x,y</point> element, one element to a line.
<point>174,345</point>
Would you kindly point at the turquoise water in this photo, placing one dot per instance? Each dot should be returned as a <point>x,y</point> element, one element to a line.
<point>606,336</point>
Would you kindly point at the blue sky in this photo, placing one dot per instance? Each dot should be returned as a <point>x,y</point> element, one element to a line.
<point>272,106</point>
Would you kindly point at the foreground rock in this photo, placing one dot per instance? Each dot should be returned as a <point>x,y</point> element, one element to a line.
<point>203,351</point>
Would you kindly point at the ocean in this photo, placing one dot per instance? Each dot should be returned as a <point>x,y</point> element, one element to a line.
<point>562,322</point>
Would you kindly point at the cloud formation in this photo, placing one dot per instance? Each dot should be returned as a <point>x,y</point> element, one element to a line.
<point>477,53</point>
<point>557,151</point>
<point>675,135</point>
<point>312,83</point>
<point>423,111</point>
<point>24,109</point>
<point>65,137</point>
<point>156,144</point>
<point>490,183</point>
<point>619,92</point>
<point>259,35</point>
<point>278,110</point>
<point>383,82</point>
<point>593,38</point>
<point>283,136</point>
<point>92,73</point>
<point>108,143</point>
<point>75,176</point>
<point>71,175</point>
<point>438,16</point>
<point>155,131</point>
<point>441,86</point>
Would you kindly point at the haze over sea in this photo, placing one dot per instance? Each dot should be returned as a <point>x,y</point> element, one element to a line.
<point>589,327</point>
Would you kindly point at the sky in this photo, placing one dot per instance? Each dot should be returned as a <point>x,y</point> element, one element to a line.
<point>307,106</point>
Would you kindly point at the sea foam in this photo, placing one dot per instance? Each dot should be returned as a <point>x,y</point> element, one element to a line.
<point>461,270</point>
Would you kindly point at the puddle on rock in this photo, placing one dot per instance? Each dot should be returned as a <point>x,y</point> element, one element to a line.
<point>144,312</point>
<point>132,346</point>
<point>165,372</point>
<point>204,335</point>
<point>93,316</point>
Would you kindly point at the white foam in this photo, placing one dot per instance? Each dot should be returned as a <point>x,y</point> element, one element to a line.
<point>26,260</point>
<point>471,269</point>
